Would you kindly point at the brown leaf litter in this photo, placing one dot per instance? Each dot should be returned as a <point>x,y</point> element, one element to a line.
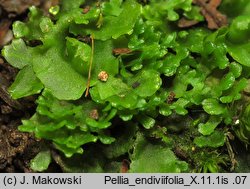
<point>215,19</point>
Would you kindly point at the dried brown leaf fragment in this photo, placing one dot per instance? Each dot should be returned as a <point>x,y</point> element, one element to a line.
<point>120,51</point>
<point>185,23</point>
<point>215,19</point>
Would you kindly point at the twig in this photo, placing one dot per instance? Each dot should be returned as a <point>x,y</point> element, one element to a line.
<point>214,18</point>
<point>231,153</point>
<point>90,65</point>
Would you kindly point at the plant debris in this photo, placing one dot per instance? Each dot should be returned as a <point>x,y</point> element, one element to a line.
<point>185,23</point>
<point>120,51</point>
<point>214,18</point>
<point>209,10</point>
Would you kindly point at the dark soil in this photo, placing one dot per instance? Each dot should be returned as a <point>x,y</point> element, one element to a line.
<point>16,148</point>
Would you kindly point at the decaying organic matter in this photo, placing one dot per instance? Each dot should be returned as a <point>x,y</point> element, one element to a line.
<point>209,10</point>
<point>214,18</point>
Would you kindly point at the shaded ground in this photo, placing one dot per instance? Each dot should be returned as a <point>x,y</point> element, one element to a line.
<point>16,148</point>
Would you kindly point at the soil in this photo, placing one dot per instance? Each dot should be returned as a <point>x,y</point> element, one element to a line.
<point>16,148</point>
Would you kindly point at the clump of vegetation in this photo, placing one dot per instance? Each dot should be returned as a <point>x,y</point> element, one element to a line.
<point>121,85</point>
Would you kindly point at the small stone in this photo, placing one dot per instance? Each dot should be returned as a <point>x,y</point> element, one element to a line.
<point>103,76</point>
